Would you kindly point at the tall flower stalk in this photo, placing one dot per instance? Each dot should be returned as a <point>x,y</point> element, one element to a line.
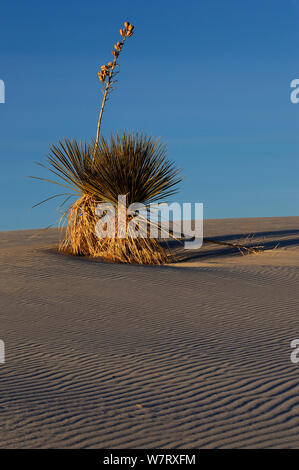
<point>108,71</point>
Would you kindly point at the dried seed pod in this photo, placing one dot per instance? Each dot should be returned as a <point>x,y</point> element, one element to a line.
<point>118,46</point>
<point>110,64</point>
<point>130,27</point>
<point>127,24</point>
<point>101,76</point>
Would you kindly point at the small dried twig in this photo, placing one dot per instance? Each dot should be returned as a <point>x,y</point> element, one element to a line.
<point>242,248</point>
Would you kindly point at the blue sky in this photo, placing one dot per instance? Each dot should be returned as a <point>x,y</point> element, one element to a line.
<point>212,78</point>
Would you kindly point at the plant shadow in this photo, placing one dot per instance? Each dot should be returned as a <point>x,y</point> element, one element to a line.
<point>268,240</point>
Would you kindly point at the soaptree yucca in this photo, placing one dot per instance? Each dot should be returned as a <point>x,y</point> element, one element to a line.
<point>98,172</point>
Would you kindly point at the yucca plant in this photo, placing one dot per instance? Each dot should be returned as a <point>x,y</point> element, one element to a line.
<point>99,172</point>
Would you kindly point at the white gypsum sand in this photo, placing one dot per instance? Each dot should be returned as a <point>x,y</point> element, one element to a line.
<point>195,354</point>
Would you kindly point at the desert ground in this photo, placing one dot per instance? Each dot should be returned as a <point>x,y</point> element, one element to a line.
<point>195,354</point>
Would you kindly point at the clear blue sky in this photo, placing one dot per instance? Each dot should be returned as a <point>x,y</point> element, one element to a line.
<point>212,78</point>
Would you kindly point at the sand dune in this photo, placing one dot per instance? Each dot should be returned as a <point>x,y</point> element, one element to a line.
<point>190,355</point>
